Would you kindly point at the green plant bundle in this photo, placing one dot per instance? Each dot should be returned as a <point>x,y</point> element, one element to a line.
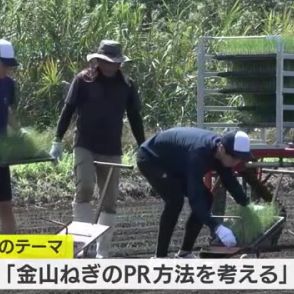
<point>249,46</point>
<point>255,220</point>
<point>246,46</point>
<point>23,145</point>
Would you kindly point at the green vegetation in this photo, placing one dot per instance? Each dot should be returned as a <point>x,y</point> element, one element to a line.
<point>41,183</point>
<point>249,46</point>
<point>23,145</point>
<point>255,220</point>
<point>52,39</point>
<point>47,182</point>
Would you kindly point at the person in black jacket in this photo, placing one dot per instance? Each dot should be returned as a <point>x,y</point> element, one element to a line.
<point>99,95</point>
<point>174,162</point>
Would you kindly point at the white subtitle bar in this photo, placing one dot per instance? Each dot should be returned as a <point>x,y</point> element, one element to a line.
<point>188,274</point>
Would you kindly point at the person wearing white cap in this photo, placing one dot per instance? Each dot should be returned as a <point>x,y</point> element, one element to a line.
<point>99,95</point>
<point>174,162</point>
<point>7,98</point>
<point>7,55</point>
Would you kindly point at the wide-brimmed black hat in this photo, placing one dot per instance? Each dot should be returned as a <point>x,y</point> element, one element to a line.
<point>110,51</point>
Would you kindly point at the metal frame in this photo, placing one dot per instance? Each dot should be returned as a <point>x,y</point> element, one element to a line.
<point>202,92</point>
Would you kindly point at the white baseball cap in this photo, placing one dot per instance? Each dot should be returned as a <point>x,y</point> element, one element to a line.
<point>237,144</point>
<point>7,55</point>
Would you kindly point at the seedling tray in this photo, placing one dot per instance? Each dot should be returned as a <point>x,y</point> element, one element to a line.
<point>245,57</point>
<point>244,91</point>
<point>247,74</point>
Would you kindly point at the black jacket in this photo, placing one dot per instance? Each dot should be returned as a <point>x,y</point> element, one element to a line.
<point>100,106</point>
<point>188,153</point>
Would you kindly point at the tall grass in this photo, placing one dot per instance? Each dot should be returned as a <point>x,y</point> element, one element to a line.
<point>53,37</point>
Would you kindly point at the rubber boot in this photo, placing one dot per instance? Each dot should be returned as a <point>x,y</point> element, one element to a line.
<point>104,242</point>
<point>83,212</point>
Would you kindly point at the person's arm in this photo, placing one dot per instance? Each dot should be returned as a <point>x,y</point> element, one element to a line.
<point>68,110</point>
<point>199,204</point>
<point>196,192</point>
<point>12,121</point>
<point>231,183</point>
<point>134,115</point>
<point>64,119</point>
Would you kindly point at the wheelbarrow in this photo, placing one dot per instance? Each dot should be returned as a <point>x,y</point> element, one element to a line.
<point>84,234</point>
<point>267,240</point>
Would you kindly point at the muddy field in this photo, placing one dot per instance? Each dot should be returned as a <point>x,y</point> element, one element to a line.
<point>136,229</point>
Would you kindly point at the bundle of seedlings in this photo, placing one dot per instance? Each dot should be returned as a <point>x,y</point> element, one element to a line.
<point>254,46</point>
<point>255,220</point>
<point>23,145</point>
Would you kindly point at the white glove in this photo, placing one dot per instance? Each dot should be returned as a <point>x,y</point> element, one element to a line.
<point>226,236</point>
<point>257,207</point>
<point>56,150</point>
<point>24,131</point>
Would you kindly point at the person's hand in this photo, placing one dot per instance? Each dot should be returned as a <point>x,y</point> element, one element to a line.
<point>226,236</point>
<point>24,131</point>
<point>242,200</point>
<point>245,202</point>
<point>56,150</point>
<point>257,207</point>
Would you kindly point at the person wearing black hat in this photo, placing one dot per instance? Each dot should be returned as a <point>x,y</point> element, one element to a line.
<point>7,97</point>
<point>174,162</point>
<point>99,95</point>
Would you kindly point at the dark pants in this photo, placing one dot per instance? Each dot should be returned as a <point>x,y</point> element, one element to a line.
<point>172,191</point>
<point>5,185</point>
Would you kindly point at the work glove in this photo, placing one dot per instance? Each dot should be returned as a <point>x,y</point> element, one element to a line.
<point>226,236</point>
<point>257,207</point>
<point>24,131</point>
<point>56,150</point>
